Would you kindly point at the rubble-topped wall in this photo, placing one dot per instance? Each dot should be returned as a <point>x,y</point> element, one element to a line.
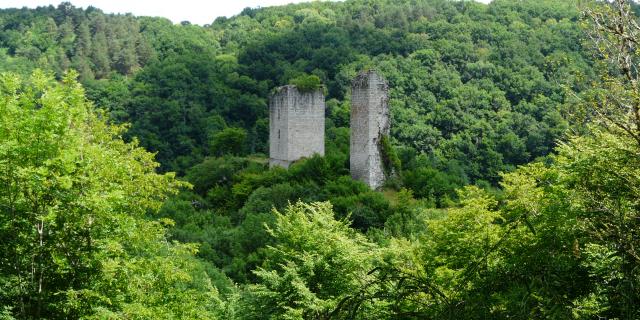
<point>369,122</point>
<point>296,125</point>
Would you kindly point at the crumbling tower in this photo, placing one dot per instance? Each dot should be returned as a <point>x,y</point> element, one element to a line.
<point>296,125</point>
<point>369,122</point>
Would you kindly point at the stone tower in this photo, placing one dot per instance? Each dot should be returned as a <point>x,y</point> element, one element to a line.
<point>369,122</point>
<point>296,125</point>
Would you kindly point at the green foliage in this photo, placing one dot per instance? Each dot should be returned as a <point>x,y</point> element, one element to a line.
<point>477,92</point>
<point>560,245</point>
<point>75,239</point>
<point>229,141</point>
<point>92,42</point>
<point>390,161</point>
<point>67,37</point>
<point>314,264</point>
<point>602,170</point>
<point>306,83</point>
<point>195,101</point>
<point>465,84</point>
<point>408,219</point>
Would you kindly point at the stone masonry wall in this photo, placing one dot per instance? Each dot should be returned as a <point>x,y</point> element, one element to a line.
<point>296,125</point>
<point>369,121</point>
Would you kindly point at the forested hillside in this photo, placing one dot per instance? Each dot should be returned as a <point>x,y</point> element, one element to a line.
<point>515,124</point>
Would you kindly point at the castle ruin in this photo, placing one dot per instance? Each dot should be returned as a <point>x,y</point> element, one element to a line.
<point>369,122</point>
<point>296,125</point>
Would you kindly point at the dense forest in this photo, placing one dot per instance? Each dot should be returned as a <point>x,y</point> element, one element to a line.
<point>135,181</point>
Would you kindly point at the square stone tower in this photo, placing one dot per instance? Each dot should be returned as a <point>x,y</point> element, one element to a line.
<point>296,125</point>
<point>369,122</point>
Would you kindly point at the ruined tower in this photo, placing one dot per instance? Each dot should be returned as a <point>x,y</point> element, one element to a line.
<point>296,125</point>
<point>369,122</point>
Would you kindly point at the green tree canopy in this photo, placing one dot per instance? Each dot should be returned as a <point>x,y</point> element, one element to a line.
<point>74,196</point>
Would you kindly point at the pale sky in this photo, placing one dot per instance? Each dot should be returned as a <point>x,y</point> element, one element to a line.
<point>196,11</point>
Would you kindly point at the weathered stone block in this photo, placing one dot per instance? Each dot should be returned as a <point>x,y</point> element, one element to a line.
<point>296,125</point>
<point>369,121</point>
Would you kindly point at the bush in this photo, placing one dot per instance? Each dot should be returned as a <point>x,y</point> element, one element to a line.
<point>229,141</point>
<point>306,83</point>
<point>390,161</point>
